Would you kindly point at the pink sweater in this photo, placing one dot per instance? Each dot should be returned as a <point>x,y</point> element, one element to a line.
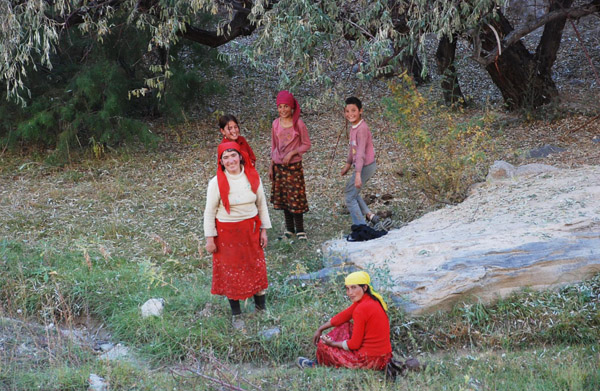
<point>284,140</point>
<point>360,151</point>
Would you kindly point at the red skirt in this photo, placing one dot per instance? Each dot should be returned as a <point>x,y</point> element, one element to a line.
<point>336,357</point>
<point>239,267</point>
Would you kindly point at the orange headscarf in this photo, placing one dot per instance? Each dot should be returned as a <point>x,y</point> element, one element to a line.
<point>222,181</point>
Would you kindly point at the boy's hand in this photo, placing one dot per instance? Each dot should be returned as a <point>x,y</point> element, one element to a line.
<point>357,181</point>
<point>345,169</point>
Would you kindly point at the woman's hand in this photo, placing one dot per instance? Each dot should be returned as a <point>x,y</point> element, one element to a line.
<point>323,327</point>
<point>211,247</point>
<point>317,337</point>
<point>271,171</point>
<point>263,238</point>
<point>327,340</point>
<point>330,342</point>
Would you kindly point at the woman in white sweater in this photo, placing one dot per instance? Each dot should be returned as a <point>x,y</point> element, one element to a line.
<point>235,223</point>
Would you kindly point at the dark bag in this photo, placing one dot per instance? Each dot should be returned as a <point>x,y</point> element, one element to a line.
<point>397,367</point>
<point>394,368</point>
<point>362,232</point>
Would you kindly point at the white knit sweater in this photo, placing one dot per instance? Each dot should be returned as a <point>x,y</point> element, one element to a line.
<point>244,204</point>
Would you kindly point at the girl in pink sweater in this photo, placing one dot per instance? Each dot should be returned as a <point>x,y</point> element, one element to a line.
<point>289,141</point>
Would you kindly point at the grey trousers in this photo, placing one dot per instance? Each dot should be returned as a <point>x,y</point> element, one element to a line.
<point>354,202</point>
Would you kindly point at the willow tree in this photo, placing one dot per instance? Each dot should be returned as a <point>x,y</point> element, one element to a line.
<point>307,37</point>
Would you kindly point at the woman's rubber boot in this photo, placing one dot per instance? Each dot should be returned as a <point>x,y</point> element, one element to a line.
<point>260,302</point>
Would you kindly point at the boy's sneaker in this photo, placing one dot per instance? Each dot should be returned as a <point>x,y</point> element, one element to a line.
<point>303,363</point>
<point>373,219</point>
<point>387,224</point>
<point>384,225</point>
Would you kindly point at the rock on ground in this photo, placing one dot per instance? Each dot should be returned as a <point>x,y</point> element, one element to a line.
<point>97,383</point>
<point>118,352</point>
<point>153,307</point>
<point>535,229</point>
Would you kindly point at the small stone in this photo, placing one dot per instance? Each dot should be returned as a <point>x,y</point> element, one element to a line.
<point>153,307</point>
<point>270,333</point>
<point>105,347</point>
<point>500,170</point>
<point>544,151</point>
<point>97,383</point>
<point>119,352</point>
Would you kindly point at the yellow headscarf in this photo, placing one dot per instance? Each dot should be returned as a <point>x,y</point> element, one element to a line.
<point>362,278</point>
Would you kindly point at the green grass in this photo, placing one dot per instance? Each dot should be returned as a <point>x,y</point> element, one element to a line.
<point>532,329</point>
<point>100,238</point>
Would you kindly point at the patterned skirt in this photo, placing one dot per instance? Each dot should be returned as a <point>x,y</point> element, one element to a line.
<point>239,267</point>
<point>288,191</point>
<point>336,357</point>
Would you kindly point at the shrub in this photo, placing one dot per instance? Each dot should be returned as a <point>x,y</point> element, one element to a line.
<point>85,101</point>
<point>444,148</point>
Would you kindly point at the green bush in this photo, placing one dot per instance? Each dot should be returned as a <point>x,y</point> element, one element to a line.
<point>444,148</point>
<point>86,101</point>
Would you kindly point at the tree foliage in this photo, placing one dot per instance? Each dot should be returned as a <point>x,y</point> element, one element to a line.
<point>306,36</point>
<point>86,98</point>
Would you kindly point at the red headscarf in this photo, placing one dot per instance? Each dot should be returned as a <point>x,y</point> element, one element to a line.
<point>249,170</point>
<point>286,97</point>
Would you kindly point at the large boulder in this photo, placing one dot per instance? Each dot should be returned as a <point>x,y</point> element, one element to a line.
<point>534,228</point>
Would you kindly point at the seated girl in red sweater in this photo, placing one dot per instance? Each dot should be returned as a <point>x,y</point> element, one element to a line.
<point>365,343</point>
